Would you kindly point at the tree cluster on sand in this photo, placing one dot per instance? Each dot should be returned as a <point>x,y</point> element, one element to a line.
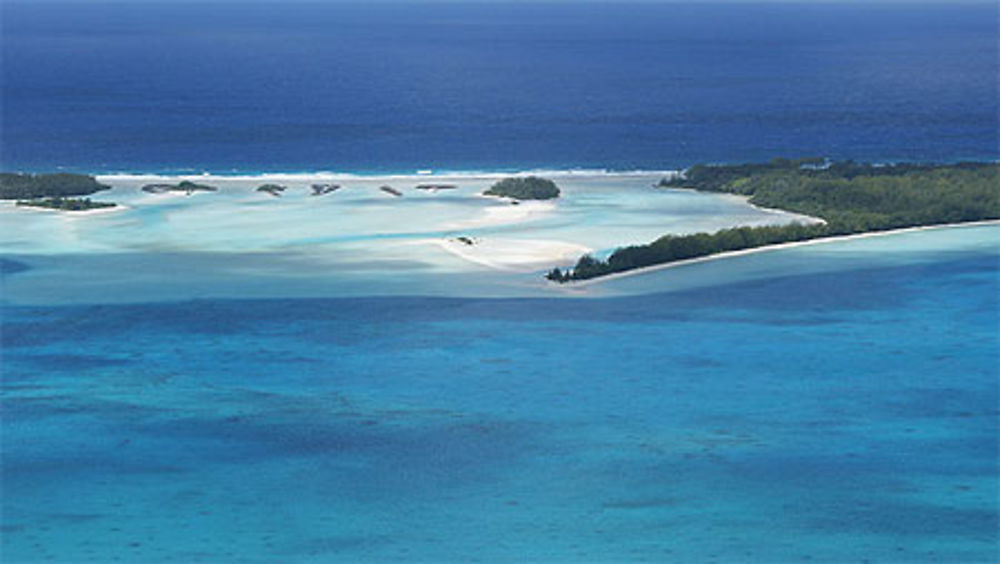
<point>524,188</point>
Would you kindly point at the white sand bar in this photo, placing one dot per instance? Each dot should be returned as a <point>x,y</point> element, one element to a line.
<point>523,255</point>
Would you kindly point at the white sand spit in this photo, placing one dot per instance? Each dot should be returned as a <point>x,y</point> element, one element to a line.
<point>767,248</point>
<point>512,254</point>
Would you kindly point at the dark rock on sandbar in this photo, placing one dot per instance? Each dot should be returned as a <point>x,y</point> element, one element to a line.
<point>321,189</point>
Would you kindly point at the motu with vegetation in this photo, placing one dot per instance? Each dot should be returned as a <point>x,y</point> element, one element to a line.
<point>15,186</point>
<point>527,188</point>
<point>272,189</point>
<point>849,197</point>
<point>66,204</point>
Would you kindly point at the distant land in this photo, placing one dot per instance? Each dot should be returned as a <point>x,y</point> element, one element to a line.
<point>51,191</point>
<point>850,198</point>
<point>15,186</point>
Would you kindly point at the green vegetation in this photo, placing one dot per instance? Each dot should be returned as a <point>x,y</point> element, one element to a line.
<point>272,189</point>
<point>15,186</point>
<point>188,186</point>
<point>528,188</point>
<point>321,189</point>
<point>66,204</point>
<point>850,197</point>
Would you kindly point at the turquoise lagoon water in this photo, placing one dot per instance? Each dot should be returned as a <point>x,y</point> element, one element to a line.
<point>786,413</point>
<point>357,241</point>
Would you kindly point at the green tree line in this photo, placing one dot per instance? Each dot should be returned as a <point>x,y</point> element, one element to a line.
<point>15,186</point>
<point>850,197</point>
<point>66,204</point>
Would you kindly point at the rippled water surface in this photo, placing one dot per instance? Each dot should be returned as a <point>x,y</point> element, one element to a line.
<point>842,415</point>
<point>404,86</point>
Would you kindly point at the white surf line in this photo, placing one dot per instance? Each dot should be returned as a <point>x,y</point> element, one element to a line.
<point>766,248</point>
<point>417,176</point>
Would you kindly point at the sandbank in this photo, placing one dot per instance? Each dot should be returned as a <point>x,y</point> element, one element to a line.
<point>527,255</point>
<point>505,214</point>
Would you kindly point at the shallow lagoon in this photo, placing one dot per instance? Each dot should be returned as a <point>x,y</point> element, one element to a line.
<point>356,241</point>
<point>836,402</point>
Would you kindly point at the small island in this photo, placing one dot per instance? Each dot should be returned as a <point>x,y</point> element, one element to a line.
<point>15,186</point>
<point>272,189</point>
<point>322,189</point>
<point>849,198</point>
<point>184,186</point>
<point>524,188</point>
<point>66,204</point>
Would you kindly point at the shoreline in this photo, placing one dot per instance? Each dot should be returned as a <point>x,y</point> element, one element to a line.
<point>746,200</point>
<point>809,220</point>
<point>575,284</point>
<point>68,213</point>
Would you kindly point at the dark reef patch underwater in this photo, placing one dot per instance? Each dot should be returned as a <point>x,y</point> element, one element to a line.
<point>835,417</point>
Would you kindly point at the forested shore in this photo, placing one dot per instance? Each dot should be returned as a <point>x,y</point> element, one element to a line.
<point>849,197</point>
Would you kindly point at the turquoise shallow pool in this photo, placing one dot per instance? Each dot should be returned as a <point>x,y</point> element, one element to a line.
<point>848,414</point>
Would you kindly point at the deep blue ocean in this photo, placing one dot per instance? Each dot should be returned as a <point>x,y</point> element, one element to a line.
<point>401,87</point>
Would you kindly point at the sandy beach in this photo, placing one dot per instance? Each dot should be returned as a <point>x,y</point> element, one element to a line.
<point>801,218</point>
